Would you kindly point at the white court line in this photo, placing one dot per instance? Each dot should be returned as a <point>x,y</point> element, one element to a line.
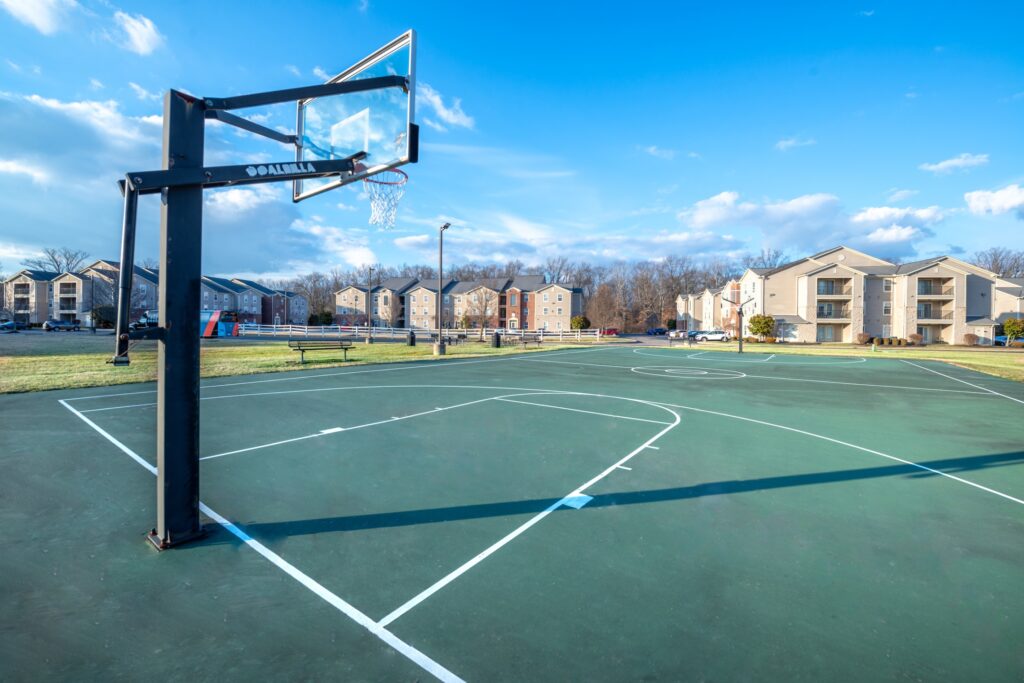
<point>840,360</point>
<point>769,358</point>
<point>336,430</point>
<point>768,377</point>
<point>623,467</point>
<point>402,609</point>
<point>976,386</point>
<point>849,445</point>
<point>408,651</point>
<point>577,410</point>
<point>405,365</point>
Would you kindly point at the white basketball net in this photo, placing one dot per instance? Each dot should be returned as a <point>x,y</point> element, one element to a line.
<point>385,189</point>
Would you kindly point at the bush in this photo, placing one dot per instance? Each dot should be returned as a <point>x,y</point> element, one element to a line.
<point>1014,328</point>
<point>915,339</point>
<point>580,322</point>
<point>750,340</point>
<point>769,340</point>
<point>970,339</point>
<point>1016,345</point>
<point>863,338</point>
<point>762,325</point>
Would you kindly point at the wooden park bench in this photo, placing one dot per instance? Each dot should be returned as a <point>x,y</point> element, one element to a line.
<point>303,345</point>
<point>531,339</point>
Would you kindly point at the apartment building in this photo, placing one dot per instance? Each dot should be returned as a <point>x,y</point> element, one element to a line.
<point>28,295</point>
<point>834,295</point>
<point>523,302</point>
<point>104,280</point>
<point>421,305</point>
<point>277,307</point>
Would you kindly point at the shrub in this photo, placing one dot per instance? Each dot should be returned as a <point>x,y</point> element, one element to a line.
<point>1016,345</point>
<point>750,340</point>
<point>915,338</point>
<point>970,339</point>
<point>863,338</point>
<point>580,322</point>
<point>769,340</point>
<point>762,325</point>
<point>1013,328</point>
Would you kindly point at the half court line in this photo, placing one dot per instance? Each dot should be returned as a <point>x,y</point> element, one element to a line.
<point>578,410</point>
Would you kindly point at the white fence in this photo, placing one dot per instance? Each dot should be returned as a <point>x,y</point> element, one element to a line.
<point>291,331</point>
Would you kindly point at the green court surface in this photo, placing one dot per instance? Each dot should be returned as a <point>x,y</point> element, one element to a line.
<point>613,514</point>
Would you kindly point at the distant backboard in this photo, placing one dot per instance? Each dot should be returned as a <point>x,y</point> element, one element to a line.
<point>377,122</point>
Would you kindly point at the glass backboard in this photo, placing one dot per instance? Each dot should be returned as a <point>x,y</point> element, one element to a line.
<point>377,122</point>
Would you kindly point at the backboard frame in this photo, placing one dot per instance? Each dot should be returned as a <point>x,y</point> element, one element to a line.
<point>407,39</point>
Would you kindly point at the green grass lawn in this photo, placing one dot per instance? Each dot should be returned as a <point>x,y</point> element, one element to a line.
<point>34,362</point>
<point>998,361</point>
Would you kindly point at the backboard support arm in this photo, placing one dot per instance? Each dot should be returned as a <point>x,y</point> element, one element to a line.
<point>251,126</point>
<point>307,92</point>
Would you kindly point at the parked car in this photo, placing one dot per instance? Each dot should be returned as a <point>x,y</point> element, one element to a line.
<point>610,332</point>
<point>58,325</point>
<point>656,331</point>
<point>712,335</point>
<point>143,322</point>
<point>692,334</point>
<point>8,327</point>
<point>677,334</point>
<point>999,341</point>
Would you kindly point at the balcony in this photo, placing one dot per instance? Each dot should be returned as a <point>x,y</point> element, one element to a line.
<point>66,307</point>
<point>833,314</point>
<point>928,315</point>
<point>22,290</point>
<point>827,289</point>
<point>927,291</point>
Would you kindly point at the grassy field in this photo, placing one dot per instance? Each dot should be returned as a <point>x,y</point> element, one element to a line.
<point>37,362</point>
<point>1001,362</point>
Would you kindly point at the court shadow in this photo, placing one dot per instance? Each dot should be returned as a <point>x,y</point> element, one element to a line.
<point>274,530</point>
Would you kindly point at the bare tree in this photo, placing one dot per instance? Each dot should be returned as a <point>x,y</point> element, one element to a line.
<point>59,260</point>
<point>1000,260</point>
<point>482,309</point>
<point>555,268</point>
<point>601,308</point>
<point>768,258</point>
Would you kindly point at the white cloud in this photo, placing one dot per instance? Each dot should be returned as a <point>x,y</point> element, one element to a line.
<point>37,174</point>
<point>14,66</point>
<point>292,69</point>
<point>879,215</point>
<point>897,195</point>
<point>959,162</point>
<point>135,33</point>
<point>867,13</point>
<point>13,253</point>
<point>434,124</point>
<point>412,242</point>
<point>321,74</point>
<point>363,6</point>
<point>229,204</point>
<point>789,143</point>
<point>726,209</point>
<point>142,93</point>
<point>449,115</point>
<point>45,16</point>
<point>104,117</point>
<point>350,245</point>
<point>1009,198</point>
<point>893,234</point>
<point>96,84</point>
<point>346,207</point>
<point>659,152</point>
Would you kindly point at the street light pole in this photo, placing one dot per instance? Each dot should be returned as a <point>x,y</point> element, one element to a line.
<point>740,314</point>
<point>439,349</point>
<point>369,288</point>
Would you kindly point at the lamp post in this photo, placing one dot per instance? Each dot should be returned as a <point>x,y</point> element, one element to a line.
<point>369,288</point>
<point>439,346</point>
<point>740,314</point>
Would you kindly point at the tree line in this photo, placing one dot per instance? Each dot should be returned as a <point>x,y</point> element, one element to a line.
<point>629,295</point>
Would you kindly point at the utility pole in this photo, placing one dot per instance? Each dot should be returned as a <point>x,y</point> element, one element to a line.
<point>369,288</point>
<point>439,346</point>
<point>740,314</point>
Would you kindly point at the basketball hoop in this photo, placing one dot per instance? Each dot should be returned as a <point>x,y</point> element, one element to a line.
<point>385,189</point>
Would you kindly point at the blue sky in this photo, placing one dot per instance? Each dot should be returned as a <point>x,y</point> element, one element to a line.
<point>572,129</point>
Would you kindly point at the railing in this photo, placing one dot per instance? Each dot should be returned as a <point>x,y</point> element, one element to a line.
<point>934,291</point>
<point>835,291</point>
<point>934,315</point>
<point>22,290</point>
<point>834,314</point>
<point>361,331</point>
<point>68,309</point>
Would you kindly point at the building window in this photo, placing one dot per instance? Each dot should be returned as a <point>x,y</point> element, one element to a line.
<point>526,298</point>
<point>886,285</point>
<point>385,299</point>
<point>545,310</point>
<point>546,299</point>
<point>447,299</point>
<point>559,312</point>
<point>526,312</point>
<point>476,298</point>
<point>559,297</point>
<point>344,298</point>
<point>886,308</point>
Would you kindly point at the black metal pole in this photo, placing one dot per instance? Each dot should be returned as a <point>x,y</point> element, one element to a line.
<point>741,329</point>
<point>124,276</point>
<point>439,348</point>
<point>181,228</point>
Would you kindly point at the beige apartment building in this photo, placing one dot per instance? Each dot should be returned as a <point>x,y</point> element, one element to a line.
<point>834,295</point>
<point>28,295</point>
<point>421,305</point>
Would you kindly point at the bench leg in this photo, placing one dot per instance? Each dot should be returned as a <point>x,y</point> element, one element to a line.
<point>302,357</point>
